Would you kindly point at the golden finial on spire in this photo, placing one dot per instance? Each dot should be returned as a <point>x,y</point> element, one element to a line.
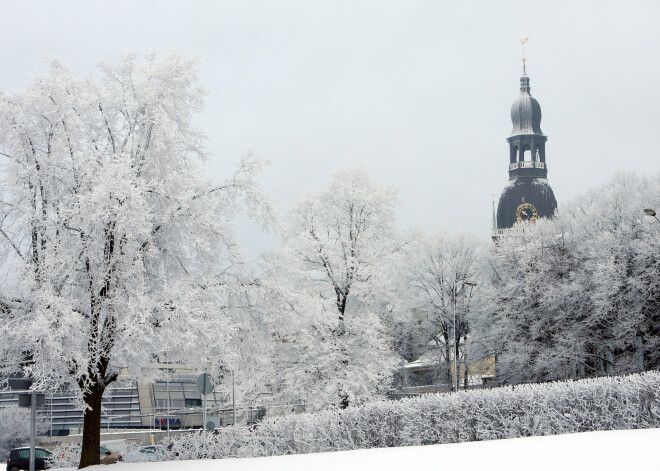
<point>523,41</point>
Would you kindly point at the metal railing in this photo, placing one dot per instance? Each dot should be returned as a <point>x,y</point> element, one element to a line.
<point>506,232</point>
<point>527,164</point>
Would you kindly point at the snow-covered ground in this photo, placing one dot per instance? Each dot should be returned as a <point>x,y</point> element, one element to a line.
<point>611,450</point>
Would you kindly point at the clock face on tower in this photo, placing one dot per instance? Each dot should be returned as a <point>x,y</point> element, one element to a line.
<point>526,213</point>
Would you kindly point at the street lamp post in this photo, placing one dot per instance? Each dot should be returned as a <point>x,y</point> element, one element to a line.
<point>638,341</point>
<point>651,212</point>
<point>168,399</point>
<point>233,398</point>
<point>462,283</point>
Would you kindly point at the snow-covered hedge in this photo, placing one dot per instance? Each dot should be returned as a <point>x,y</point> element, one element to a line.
<point>536,409</point>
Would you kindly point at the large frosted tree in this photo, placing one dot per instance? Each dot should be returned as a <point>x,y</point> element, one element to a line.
<point>114,248</point>
<point>577,295</point>
<point>330,276</point>
<point>436,271</point>
<point>535,305</point>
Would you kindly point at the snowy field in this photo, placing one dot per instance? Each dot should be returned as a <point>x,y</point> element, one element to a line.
<point>611,450</point>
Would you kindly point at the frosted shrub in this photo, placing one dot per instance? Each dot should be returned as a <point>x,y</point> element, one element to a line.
<point>228,442</point>
<point>514,411</point>
<point>64,457</point>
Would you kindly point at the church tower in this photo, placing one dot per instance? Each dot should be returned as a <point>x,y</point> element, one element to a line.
<point>528,195</point>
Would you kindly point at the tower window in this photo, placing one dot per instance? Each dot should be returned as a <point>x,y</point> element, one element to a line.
<point>527,156</point>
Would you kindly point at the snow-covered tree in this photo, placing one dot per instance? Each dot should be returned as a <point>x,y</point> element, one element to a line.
<point>254,315</point>
<point>577,295</point>
<point>115,247</point>
<point>531,275</point>
<point>330,276</point>
<point>438,271</point>
<point>15,428</point>
<point>621,250</point>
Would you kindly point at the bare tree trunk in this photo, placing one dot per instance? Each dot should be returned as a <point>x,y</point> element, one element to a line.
<point>343,395</point>
<point>466,379</point>
<point>91,440</point>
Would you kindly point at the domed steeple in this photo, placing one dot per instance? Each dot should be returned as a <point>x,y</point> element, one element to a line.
<point>528,195</point>
<point>527,142</point>
<point>525,111</point>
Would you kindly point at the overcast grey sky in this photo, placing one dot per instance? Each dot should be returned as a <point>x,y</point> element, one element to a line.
<point>417,91</point>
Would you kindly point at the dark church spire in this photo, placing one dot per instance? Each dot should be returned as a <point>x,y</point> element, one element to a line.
<point>528,195</point>
<point>527,142</point>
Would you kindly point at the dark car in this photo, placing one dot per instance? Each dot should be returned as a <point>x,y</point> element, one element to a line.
<point>19,458</point>
<point>147,453</point>
<point>108,456</point>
